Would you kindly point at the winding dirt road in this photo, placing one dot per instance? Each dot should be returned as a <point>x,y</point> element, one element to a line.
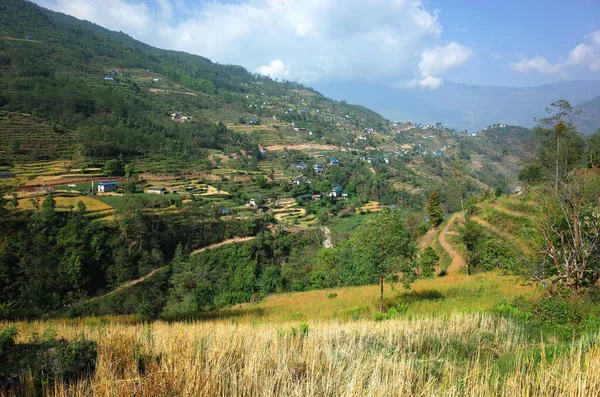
<point>458,262</point>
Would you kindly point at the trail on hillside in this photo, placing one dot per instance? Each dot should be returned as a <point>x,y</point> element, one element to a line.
<point>458,262</point>
<point>510,212</point>
<point>327,232</point>
<point>506,236</point>
<point>139,280</point>
<point>224,242</point>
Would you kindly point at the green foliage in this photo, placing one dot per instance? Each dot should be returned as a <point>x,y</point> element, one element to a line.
<point>434,209</point>
<point>429,260</point>
<point>47,361</point>
<point>382,247</point>
<point>113,167</point>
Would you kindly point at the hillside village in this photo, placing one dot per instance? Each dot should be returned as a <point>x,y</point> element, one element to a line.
<point>174,226</point>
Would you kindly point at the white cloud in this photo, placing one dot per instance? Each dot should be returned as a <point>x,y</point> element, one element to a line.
<point>431,82</point>
<point>440,60</point>
<point>368,40</point>
<point>595,36</point>
<point>582,55</point>
<point>130,17</point>
<point>537,64</point>
<point>275,69</point>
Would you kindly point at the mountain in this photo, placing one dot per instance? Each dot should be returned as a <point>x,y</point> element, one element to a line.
<point>464,106</point>
<point>588,121</point>
<point>112,95</point>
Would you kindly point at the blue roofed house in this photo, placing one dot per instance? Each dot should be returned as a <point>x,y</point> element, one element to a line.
<point>104,187</point>
<point>109,77</point>
<point>336,192</point>
<point>301,165</point>
<point>318,169</point>
<point>333,161</point>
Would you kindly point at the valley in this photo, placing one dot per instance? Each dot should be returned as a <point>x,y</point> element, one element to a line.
<point>170,225</point>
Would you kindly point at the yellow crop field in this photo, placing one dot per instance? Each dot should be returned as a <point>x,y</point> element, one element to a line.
<point>65,203</point>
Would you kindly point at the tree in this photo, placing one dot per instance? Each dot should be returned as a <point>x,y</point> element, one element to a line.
<point>593,150</point>
<point>113,167</point>
<point>129,170</point>
<point>472,237</point>
<point>261,181</point>
<point>130,187</point>
<point>429,260</point>
<point>434,209</point>
<point>569,251</point>
<point>560,145</point>
<point>383,247</point>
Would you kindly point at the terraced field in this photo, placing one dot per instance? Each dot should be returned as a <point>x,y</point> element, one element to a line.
<point>25,135</point>
<point>371,206</point>
<point>289,212</point>
<point>67,204</point>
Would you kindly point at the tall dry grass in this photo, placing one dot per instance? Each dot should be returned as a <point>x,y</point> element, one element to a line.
<point>457,355</point>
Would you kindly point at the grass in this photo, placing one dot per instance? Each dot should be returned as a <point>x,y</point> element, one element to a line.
<point>474,354</point>
<point>458,293</point>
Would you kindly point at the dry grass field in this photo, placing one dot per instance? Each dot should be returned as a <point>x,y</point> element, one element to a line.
<point>457,355</point>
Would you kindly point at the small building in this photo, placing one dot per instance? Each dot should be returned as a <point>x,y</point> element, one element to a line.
<point>156,190</point>
<point>297,181</point>
<point>29,37</point>
<point>225,211</point>
<point>344,194</point>
<point>263,150</point>
<point>104,187</point>
<point>5,175</point>
<point>305,197</point>
<point>156,79</point>
<point>301,165</point>
<point>333,161</point>
<point>316,197</point>
<point>318,169</point>
<point>336,192</point>
<point>109,77</point>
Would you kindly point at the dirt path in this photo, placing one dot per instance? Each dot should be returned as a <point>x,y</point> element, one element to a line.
<point>222,243</point>
<point>510,212</point>
<point>327,232</point>
<point>139,280</point>
<point>458,261</point>
<point>304,146</point>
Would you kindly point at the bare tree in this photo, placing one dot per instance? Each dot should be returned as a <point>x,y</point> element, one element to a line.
<point>570,239</point>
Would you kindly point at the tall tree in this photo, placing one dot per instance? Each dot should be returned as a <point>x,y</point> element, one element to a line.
<point>434,209</point>
<point>559,142</point>
<point>384,247</point>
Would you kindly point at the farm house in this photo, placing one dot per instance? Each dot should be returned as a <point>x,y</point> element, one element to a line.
<point>104,187</point>
<point>156,190</point>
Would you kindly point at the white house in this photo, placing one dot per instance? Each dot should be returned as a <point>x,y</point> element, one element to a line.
<point>104,187</point>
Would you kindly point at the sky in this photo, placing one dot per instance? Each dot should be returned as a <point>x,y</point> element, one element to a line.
<point>404,44</point>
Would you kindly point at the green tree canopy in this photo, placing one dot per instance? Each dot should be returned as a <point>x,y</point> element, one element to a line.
<point>383,247</point>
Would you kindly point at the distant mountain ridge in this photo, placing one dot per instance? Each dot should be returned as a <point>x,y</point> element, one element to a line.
<point>588,121</point>
<point>464,106</point>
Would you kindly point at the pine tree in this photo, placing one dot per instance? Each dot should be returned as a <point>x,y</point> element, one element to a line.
<point>434,209</point>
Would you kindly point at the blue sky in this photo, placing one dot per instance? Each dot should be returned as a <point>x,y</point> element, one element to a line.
<point>406,44</point>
